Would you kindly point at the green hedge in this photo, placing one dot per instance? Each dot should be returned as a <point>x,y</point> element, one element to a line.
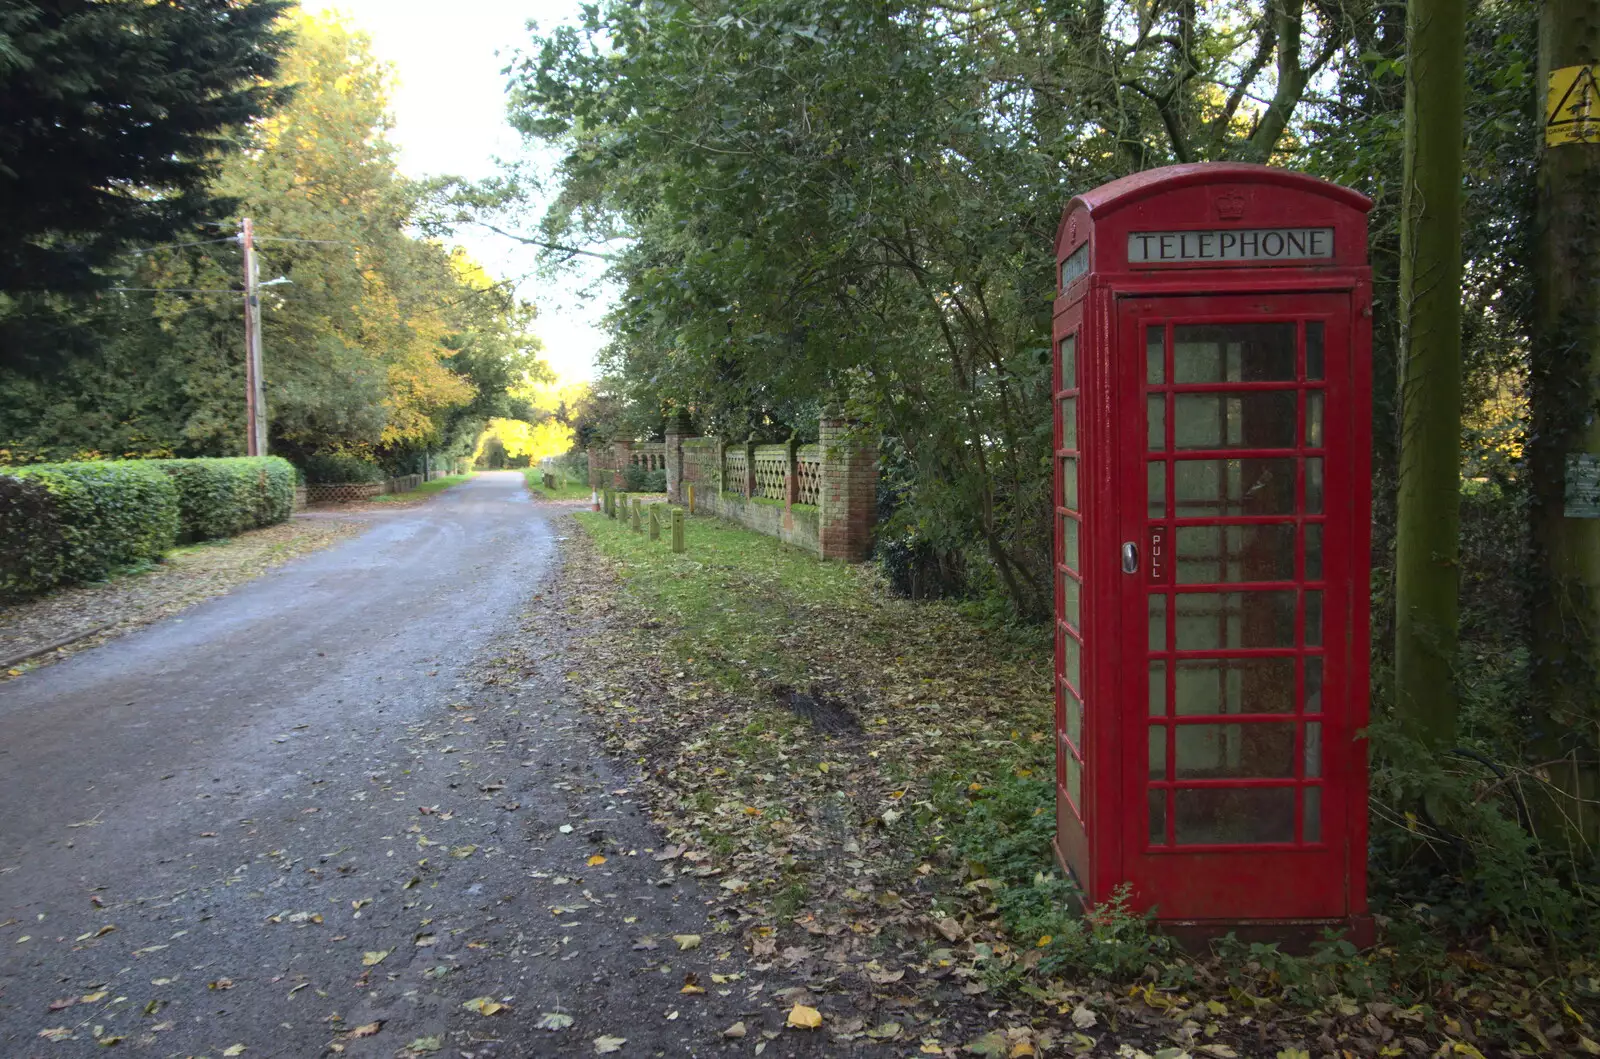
<point>67,522</point>
<point>99,516</point>
<point>222,497</point>
<point>338,468</point>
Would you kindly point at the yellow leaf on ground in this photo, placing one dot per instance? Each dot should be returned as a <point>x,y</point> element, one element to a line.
<point>484,1005</point>
<point>237,1049</point>
<point>372,959</point>
<point>686,941</point>
<point>596,860</point>
<point>804,1018</point>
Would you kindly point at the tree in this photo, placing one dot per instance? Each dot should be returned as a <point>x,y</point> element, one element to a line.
<point>1427,535</point>
<point>114,115</point>
<point>1565,438</point>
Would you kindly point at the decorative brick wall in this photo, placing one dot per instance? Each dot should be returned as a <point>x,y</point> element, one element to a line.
<point>822,498</point>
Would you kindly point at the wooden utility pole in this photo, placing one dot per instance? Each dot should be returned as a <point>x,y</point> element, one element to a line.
<point>1429,516</point>
<point>1564,441</point>
<point>255,392</point>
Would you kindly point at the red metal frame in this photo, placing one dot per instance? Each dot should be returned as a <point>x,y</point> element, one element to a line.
<point>1106,772</point>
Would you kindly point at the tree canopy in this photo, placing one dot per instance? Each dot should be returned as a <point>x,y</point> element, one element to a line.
<point>114,117</point>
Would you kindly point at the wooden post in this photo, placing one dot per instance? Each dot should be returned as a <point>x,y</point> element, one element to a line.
<point>655,522</point>
<point>690,487</point>
<point>677,530</point>
<point>635,508</point>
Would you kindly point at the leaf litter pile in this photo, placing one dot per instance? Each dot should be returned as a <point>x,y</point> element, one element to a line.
<point>868,781</point>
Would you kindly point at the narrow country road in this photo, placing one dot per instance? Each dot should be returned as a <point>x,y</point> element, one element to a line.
<point>322,813</point>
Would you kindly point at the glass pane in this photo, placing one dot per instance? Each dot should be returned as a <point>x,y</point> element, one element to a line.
<point>1234,685</point>
<point>1069,541</point>
<point>1314,551</point>
<point>1074,781</point>
<point>1158,689</point>
<point>1215,815</point>
<point>1211,621</point>
<point>1156,422</point>
<point>1234,488</point>
<point>1070,591</point>
<point>1235,751</point>
<point>1314,486</point>
<point>1074,717</point>
<point>1314,349</point>
<point>1157,489</point>
<point>1072,653</point>
<point>1313,701</point>
<point>1313,619</point>
<point>1211,554</point>
<point>1314,419</point>
<point>1155,360</point>
<point>1069,482</point>
<point>1313,750</point>
<point>1158,623</point>
<point>1069,422</point>
<point>1311,825</point>
<point>1256,420</point>
<point>1069,363</point>
<point>1233,353</point>
<point>1158,753</point>
<point>1157,803</point>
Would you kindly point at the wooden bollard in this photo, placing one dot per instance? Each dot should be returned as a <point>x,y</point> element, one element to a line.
<point>655,522</point>
<point>690,487</point>
<point>637,527</point>
<point>677,530</point>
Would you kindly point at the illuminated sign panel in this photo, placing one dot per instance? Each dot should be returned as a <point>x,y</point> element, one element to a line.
<point>1230,244</point>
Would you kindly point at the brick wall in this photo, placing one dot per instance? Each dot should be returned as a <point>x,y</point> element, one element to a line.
<point>841,473</point>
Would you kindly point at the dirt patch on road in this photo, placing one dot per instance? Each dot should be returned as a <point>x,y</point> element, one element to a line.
<point>92,614</point>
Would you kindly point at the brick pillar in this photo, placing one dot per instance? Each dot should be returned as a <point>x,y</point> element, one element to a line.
<point>678,429</point>
<point>849,497</point>
<point>620,451</point>
<point>595,468</point>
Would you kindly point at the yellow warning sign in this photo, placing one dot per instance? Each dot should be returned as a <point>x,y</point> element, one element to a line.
<point>1572,109</point>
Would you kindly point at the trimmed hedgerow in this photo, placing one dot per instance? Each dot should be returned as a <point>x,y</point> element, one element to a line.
<point>67,522</point>
<point>90,519</point>
<point>222,497</point>
<point>341,468</point>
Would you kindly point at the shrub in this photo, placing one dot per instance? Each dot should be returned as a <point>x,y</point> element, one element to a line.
<point>222,497</point>
<point>338,468</point>
<point>98,516</point>
<point>638,480</point>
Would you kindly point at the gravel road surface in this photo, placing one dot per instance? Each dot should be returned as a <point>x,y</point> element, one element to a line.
<point>316,816</point>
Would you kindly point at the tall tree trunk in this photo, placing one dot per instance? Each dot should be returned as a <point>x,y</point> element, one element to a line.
<point>1427,536</point>
<point>1566,359</point>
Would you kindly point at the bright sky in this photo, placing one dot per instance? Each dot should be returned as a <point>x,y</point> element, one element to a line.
<point>449,110</point>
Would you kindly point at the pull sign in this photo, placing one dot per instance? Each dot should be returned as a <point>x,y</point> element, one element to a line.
<point>1158,553</point>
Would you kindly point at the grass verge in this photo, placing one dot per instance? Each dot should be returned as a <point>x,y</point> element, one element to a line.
<point>423,491</point>
<point>907,793</point>
<point>567,488</point>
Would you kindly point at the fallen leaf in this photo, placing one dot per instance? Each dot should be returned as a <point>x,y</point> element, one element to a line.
<point>887,1032</point>
<point>1022,1050</point>
<point>1083,1018</point>
<point>484,1005</point>
<point>735,1031</point>
<point>372,959</point>
<point>422,941</point>
<point>423,1045</point>
<point>686,941</point>
<point>595,861</point>
<point>991,1045</point>
<point>235,1049</point>
<point>56,1033</point>
<point>566,829</point>
<point>220,983</point>
<point>804,1018</point>
<point>92,998</point>
<point>691,984</point>
<point>553,1020</point>
<point>606,1045</point>
<point>463,852</point>
<point>370,1029</point>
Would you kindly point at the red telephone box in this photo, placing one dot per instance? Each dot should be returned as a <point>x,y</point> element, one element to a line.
<point>1212,434</point>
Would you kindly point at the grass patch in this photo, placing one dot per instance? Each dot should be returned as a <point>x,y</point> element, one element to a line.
<point>567,487</point>
<point>426,489</point>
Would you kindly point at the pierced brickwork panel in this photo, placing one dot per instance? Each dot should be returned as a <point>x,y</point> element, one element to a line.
<point>652,456</point>
<point>772,471</point>
<point>737,472</point>
<point>808,465</point>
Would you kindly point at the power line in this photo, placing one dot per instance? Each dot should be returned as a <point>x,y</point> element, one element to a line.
<point>180,290</point>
